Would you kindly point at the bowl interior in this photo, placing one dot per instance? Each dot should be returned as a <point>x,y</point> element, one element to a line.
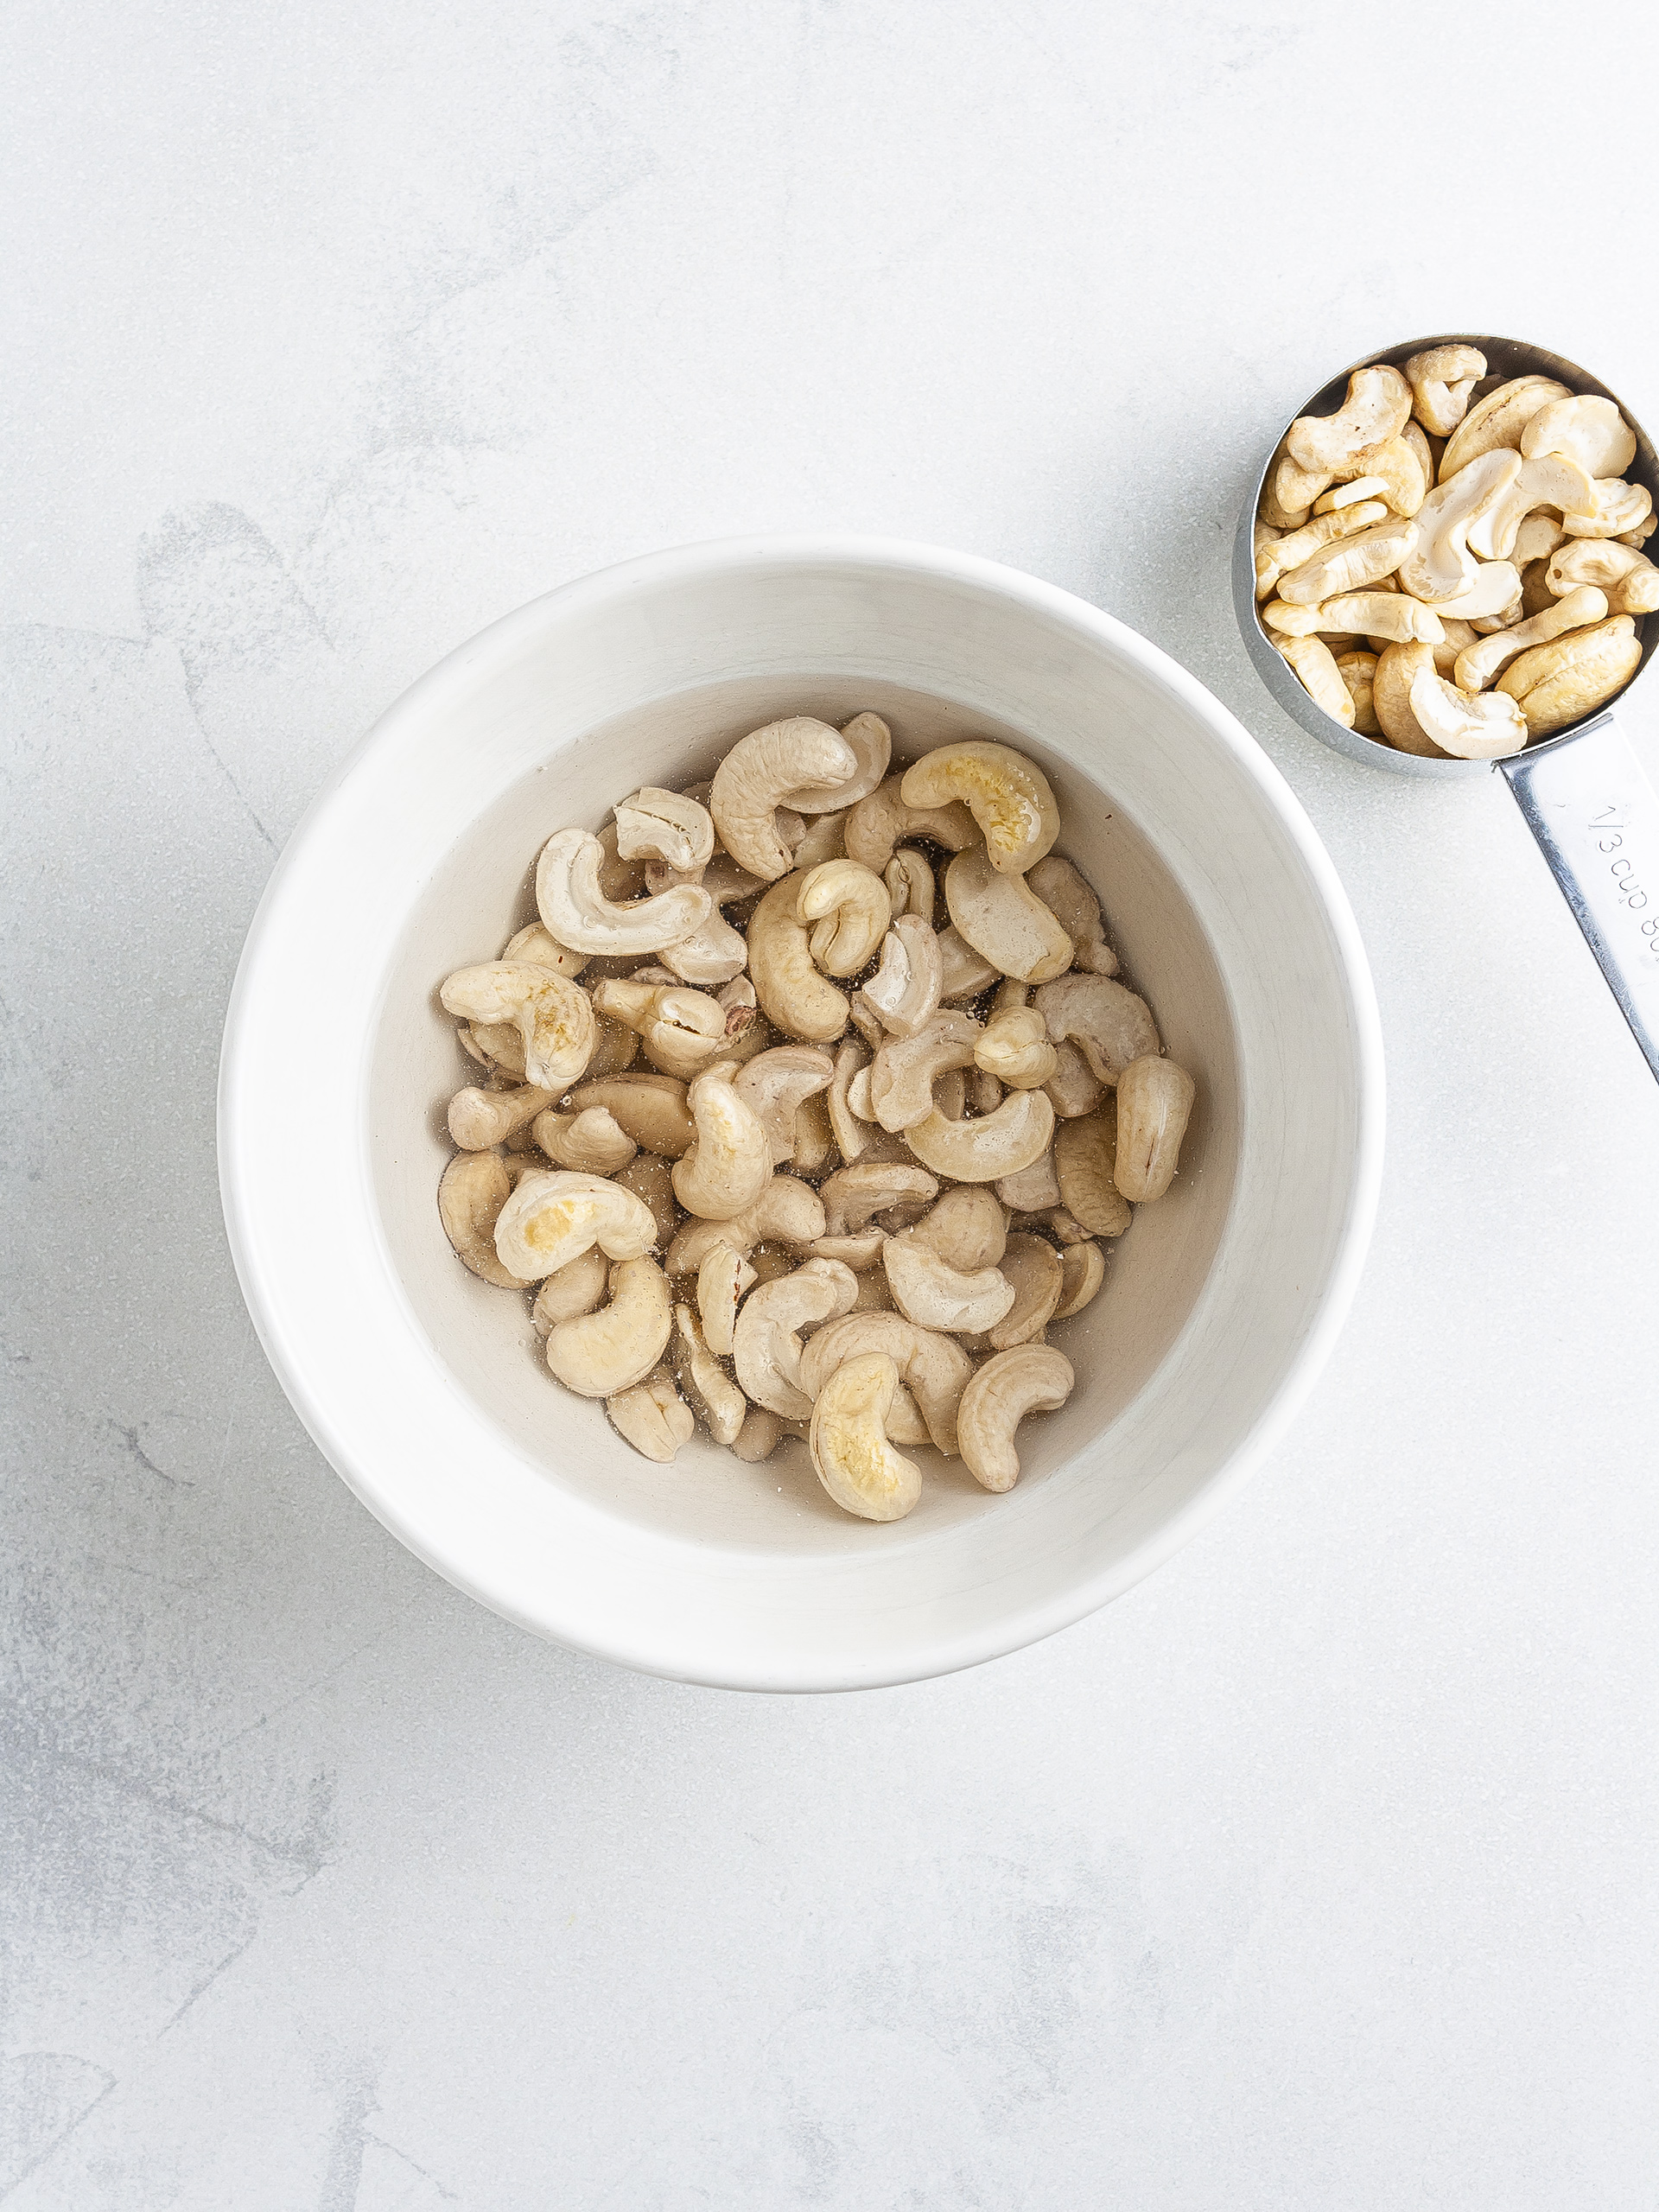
<point>482,890</point>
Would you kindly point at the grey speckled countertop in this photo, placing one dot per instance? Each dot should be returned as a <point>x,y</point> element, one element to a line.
<point>1318,1871</point>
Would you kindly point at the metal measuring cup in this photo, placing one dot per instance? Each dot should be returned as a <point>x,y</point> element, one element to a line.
<point>1582,790</point>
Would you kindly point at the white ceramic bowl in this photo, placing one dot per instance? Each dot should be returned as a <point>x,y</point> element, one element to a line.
<point>421,1383</point>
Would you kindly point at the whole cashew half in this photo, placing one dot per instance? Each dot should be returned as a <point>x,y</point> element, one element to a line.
<point>793,995</point>
<point>906,987</point>
<point>578,913</point>
<point>1377,406</point>
<point>1031,1378</point>
<point>850,906</point>
<point>474,1188</point>
<point>1007,795</point>
<point>1004,920</point>
<point>767,1344</point>
<point>553,1016</point>
<point>552,1219</point>
<point>928,1291</point>
<point>663,825</point>
<point>759,774</point>
<point>712,1389</point>
<point>1498,421</point>
<point>1111,1023</point>
<point>995,1145</point>
<point>1085,1162</point>
<point>730,1163</point>
<point>855,1462</point>
<point>777,1084</point>
<point>933,1367</point>
<point>1442,380</point>
<point>598,1355</point>
<point>1155,1100</point>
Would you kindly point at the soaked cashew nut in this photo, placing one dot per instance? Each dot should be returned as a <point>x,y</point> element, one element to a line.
<point>794,996</point>
<point>665,826</point>
<point>537,944</point>
<point>1561,683</point>
<point>553,1016</point>
<point>1155,1101</point>
<point>879,824</point>
<point>1112,1024</point>
<point>683,1030</point>
<point>1074,1088</point>
<point>475,1185</point>
<point>650,1108</point>
<point>851,908</point>
<point>1497,421</point>
<point>1627,577</point>
<point>590,1141</point>
<point>578,1287</point>
<point>1067,893</point>
<point>850,1132</point>
<point>910,884</point>
<point>577,914</point>
<point>906,987</point>
<point>902,1076</point>
<point>776,1085</point>
<point>932,1366</point>
<point>766,1344</point>
<point>598,1355</point>
<point>760,773</point>
<point>786,1212</point>
<point>1442,381</point>
<point>552,1219</point>
<point>730,1163</point>
<point>1376,407</point>
<point>722,1278</point>
<point>1082,1270</point>
<point>1007,795</point>
<point>1085,1163</point>
<point>651,1179</point>
<point>871,743</point>
<point>1014,1048</point>
<point>852,1458</point>
<point>963,972</point>
<point>1004,920</point>
<point>711,1389</point>
<point>479,1119</point>
<point>652,1417</point>
<point>928,1291</point>
<point>759,1436</point>
<point>965,1227</point>
<point>1032,1378</point>
<point>982,1151</point>
<point>852,1195</point>
<point>1032,1268</point>
<point>1034,1189</point>
<point>1479,663</point>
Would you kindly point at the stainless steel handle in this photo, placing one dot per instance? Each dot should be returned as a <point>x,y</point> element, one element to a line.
<point>1596,818</point>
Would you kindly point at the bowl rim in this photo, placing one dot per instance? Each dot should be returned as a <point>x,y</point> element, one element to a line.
<point>492,649</point>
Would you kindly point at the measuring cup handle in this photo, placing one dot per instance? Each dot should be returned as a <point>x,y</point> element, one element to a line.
<point>1596,818</point>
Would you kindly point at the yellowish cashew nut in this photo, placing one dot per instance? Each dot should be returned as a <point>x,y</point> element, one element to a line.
<point>1004,920</point>
<point>766,1344</point>
<point>1439,565</point>
<point>1291,492</point>
<point>906,988</point>
<point>776,1085</point>
<point>910,884</point>
<point>1376,407</point>
<point>1314,664</point>
<point>850,1451</point>
<point>851,908</point>
<point>1154,1103</point>
<point>1442,381</point>
<point>1357,671</point>
<point>1493,589</point>
<point>552,1219</point>
<point>475,1185</point>
<point>1499,420</point>
<point>879,823</point>
<point>1397,669</point>
<point>1082,1270</point>
<point>1628,578</point>
<point>1375,614</point>
<point>537,944</point>
<point>1085,1162</point>
<point>1619,508</point>
<point>712,1390</point>
<point>1536,539</point>
<point>652,1417</point>
<point>905,1070</point>
<point>1470,726</point>
<point>722,1278</point>
<point>787,1212</point>
<point>1112,1024</point>
<point>1587,430</point>
<point>1552,480</point>
<point>480,1119</point>
<point>667,826</point>
<point>730,1163</point>
<point>982,1151</point>
<point>598,1355</point>
<point>1479,663</point>
<point>553,1017</point>
<point>794,996</point>
<point>650,1108</point>
<point>577,914</point>
<point>1032,1378</point>
<point>871,743</point>
<point>683,1030</point>
<point>578,1287</point>
<point>1350,564</point>
<point>1399,465</point>
<point>1014,1048</point>
<point>1295,548</point>
<point>932,1365</point>
<point>928,1291</point>
<point>1007,795</point>
<point>1366,492</point>
<point>1560,683</point>
<point>591,1141</point>
<point>759,775</point>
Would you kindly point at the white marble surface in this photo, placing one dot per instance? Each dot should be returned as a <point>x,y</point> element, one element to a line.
<point>1318,1871</point>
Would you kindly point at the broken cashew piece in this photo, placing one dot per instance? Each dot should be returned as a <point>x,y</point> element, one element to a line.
<point>877,824</point>
<point>1085,1164</point>
<point>983,1150</point>
<point>1498,421</point>
<point>577,912</point>
<point>1155,1101</point>
<point>1004,920</point>
<point>722,1404</point>
<point>666,826</point>
<point>1032,1378</point>
<point>554,1218</point>
<point>851,908</point>
<point>479,1119</point>
<point>1586,429</point>
<point>553,1016</point>
<point>730,1163</point>
<point>776,1085</point>
<point>653,1417</point>
<point>536,944</point>
<point>852,1195</point>
<point>1082,1270</point>
<point>683,1030</point>
<point>909,880</point>
<point>474,1187</point>
<point>1442,381</point>
<point>906,988</point>
<point>1478,665</point>
<point>1007,795</point>
<point>1358,671</point>
<point>794,996</point>
<point>757,777</point>
<point>854,1460</point>
<point>597,1355</point>
<point>902,1076</point>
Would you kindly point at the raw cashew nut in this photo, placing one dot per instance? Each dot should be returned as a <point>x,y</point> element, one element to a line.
<point>552,1219</point>
<point>980,1151</point>
<point>1492,590</point>
<point>1315,667</point>
<point>1014,1047</point>
<point>591,1141</point>
<point>716,953</point>
<point>537,944</point>
<point>1351,563</point>
<point>1155,1101</point>
<point>966,1228</point>
<point>963,972</point>
<point>1032,1268</point>
<point>553,1017</point>
<point>851,905</point>
<point>1004,919</point>
<point>904,1072</point>
<point>713,1392</point>
<point>722,1278</point>
<point>910,884</point>
<point>1074,1088</point>
<point>1374,613</point>
<point>683,1030</point>
<point>1479,663</point>
<point>850,1132</point>
<point>852,1195</point>
<point>1399,467</point>
<point>1397,670</point>
<point>599,1355</point>
<point>933,1367</point>
<point>1032,1378</point>
<point>1560,683</point>
<point>1442,381</point>
<point>1007,795</point>
<point>474,1188</point>
<point>793,995</point>
<point>1586,429</point>
<point>1536,539</point>
<point>1069,897</point>
<point>1439,565</point>
<point>1280,555</point>
<point>479,1119</point>
<point>577,912</point>
<point>730,1163</point>
<point>1628,578</point>
<point>1082,1270</point>
<point>1499,420</point>
<point>767,1344</point>
<point>1357,671</point>
<point>1619,507</point>
<point>1291,492</point>
<point>650,1108</point>
<point>1357,492</point>
<point>855,1462</point>
<point>758,1437</point>
<point>761,773</point>
<point>786,1212</point>
<point>1377,405</point>
<point>1034,1189</point>
<point>1085,1162</point>
<point>650,1179</point>
<point>928,1291</point>
<point>871,742</point>
<point>905,989</point>
<point>653,1417</point>
<point>879,823</point>
<point>775,1084</point>
<point>1112,1024</point>
<point>1470,726</point>
<point>665,826</point>
<point>1552,480</point>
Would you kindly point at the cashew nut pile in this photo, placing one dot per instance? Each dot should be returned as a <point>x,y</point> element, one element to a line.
<point>870,1156</point>
<point>1463,621</point>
